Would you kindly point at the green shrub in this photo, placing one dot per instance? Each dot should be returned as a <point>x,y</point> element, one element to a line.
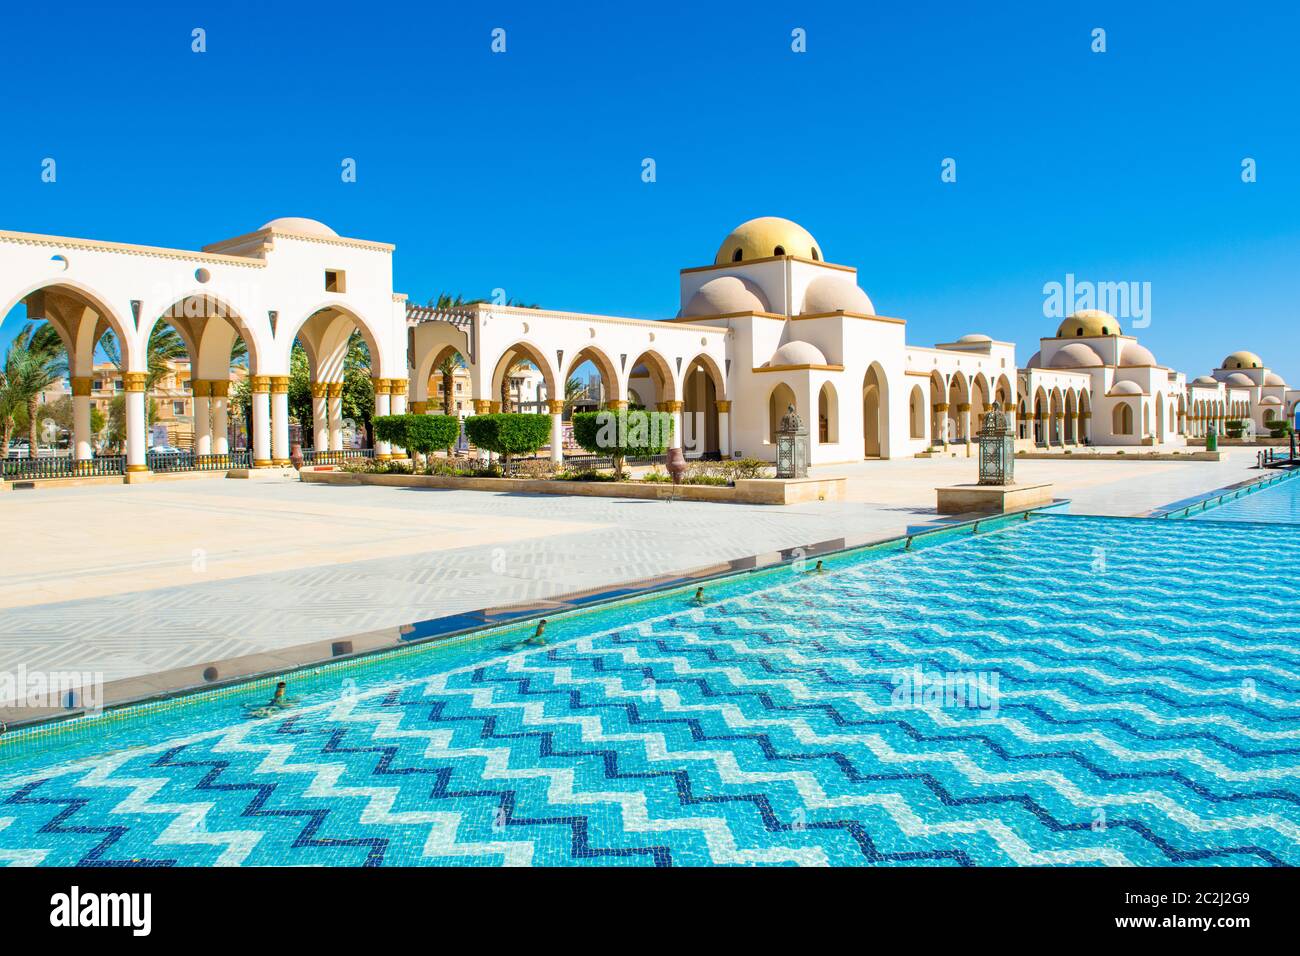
<point>509,433</point>
<point>622,434</point>
<point>423,434</point>
<point>585,475</point>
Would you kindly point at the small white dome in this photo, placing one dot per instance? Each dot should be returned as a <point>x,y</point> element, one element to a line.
<point>1135,355</point>
<point>1239,378</point>
<point>973,338</point>
<point>1125,388</point>
<point>300,227</point>
<point>1272,378</point>
<point>1205,380</point>
<point>834,294</point>
<point>724,295</point>
<point>1270,400</point>
<point>797,352</point>
<point>1076,355</point>
<point>1035,360</point>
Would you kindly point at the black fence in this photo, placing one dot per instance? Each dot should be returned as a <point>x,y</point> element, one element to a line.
<point>61,466</point>
<point>310,456</point>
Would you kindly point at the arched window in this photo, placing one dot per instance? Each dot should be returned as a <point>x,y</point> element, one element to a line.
<point>1105,330</point>
<point>778,402</point>
<point>779,251</point>
<point>737,255</point>
<point>816,255</point>
<point>1079,331</point>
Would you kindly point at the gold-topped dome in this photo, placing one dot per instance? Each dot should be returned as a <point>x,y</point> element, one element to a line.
<point>1243,360</point>
<point>765,237</point>
<point>1089,323</point>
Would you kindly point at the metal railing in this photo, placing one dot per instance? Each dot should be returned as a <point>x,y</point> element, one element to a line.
<point>310,456</point>
<point>61,466</point>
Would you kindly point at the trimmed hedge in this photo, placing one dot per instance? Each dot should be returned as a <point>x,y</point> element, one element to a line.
<point>509,433</point>
<point>418,433</point>
<point>622,434</point>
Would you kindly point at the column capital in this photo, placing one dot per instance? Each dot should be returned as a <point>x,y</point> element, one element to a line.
<point>964,407</point>
<point>556,406</point>
<point>334,389</point>
<point>419,408</point>
<point>723,405</point>
<point>200,387</point>
<point>259,383</point>
<point>616,405</point>
<point>674,406</point>
<point>80,386</point>
<point>494,408</point>
<point>482,406</point>
<point>320,389</point>
<point>220,387</point>
<point>381,386</point>
<point>280,384</point>
<point>397,386</point>
<point>134,381</point>
<point>940,406</point>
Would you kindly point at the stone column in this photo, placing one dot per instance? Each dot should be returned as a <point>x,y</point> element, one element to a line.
<point>397,406</point>
<point>202,392</point>
<point>220,404</point>
<point>940,427</point>
<point>83,448</point>
<point>724,428</point>
<point>1085,425</point>
<point>280,420</point>
<point>320,416</point>
<point>335,401</point>
<point>557,430</point>
<point>383,406</point>
<point>963,411</point>
<point>136,441</point>
<point>260,388</point>
<point>675,409</point>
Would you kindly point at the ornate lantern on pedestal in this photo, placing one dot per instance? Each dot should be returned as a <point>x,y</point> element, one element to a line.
<point>997,449</point>
<point>792,446</point>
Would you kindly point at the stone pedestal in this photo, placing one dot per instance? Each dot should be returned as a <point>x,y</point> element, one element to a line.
<point>994,499</point>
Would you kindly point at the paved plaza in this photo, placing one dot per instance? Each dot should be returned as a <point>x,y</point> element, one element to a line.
<point>133,580</point>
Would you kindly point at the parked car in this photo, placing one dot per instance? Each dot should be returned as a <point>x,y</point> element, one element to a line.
<point>166,450</point>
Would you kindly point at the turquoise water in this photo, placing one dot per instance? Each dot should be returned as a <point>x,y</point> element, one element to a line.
<point>1278,504</point>
<point>1063,690</point>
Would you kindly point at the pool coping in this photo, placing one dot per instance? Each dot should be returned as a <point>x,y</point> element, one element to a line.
<point>253,670</point>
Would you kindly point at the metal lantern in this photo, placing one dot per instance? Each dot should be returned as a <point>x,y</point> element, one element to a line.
<point>997,449</point>
<point>792,446</point>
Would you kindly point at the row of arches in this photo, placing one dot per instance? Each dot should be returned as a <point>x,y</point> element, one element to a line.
<point>1056,417</point>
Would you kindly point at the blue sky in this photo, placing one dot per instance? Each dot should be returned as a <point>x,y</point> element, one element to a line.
<point>523,170</point>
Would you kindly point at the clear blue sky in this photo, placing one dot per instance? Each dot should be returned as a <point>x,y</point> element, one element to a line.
<point>523,170</point>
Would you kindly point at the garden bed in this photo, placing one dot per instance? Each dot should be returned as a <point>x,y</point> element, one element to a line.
<point>759,491</point>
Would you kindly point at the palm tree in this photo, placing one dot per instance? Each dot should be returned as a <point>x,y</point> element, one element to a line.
<point>573,390</point>
<point>447,368</point>
<point>165,348</point>
<point>446,301</point>
<point>35,360</point>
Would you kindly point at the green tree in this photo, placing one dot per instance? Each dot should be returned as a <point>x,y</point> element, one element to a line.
<point>623,434</point>
<point>117,420</point>
<point>34,361</point>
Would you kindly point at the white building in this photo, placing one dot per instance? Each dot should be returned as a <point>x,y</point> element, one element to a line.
<point>769,323</point>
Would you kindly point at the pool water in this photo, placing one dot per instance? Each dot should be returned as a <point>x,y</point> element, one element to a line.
<point>1277,504</point>
<point>1063,690</point>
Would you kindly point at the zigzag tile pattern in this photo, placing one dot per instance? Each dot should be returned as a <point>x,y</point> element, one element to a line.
<point>1147,712</point>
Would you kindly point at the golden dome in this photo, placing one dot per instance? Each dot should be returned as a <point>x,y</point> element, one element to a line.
<point>765,237</point>
<point>1089,323</point>
<point>1243,360</point>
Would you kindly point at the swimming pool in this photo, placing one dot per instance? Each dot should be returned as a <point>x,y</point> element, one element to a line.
<point>1063,690</point>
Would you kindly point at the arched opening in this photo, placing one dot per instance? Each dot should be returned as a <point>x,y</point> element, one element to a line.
<point>1056,418</point>
<point>701,387</point>
<point>958,405</point>
<point>590,381</point>
<point>916,412</point>
<point>652,380</point>
<point>1122,419</point>
<point>737,256</point>
<point>60,383</point>
<point>875,414</point>
<point>938,409</point>
<point>334,389</point>
<point>1071,418</point>
<point>979,401</point>
<point>778,402</point>
<point>1085,418</point>
<point>522,380</point>
<point>828,415</point>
